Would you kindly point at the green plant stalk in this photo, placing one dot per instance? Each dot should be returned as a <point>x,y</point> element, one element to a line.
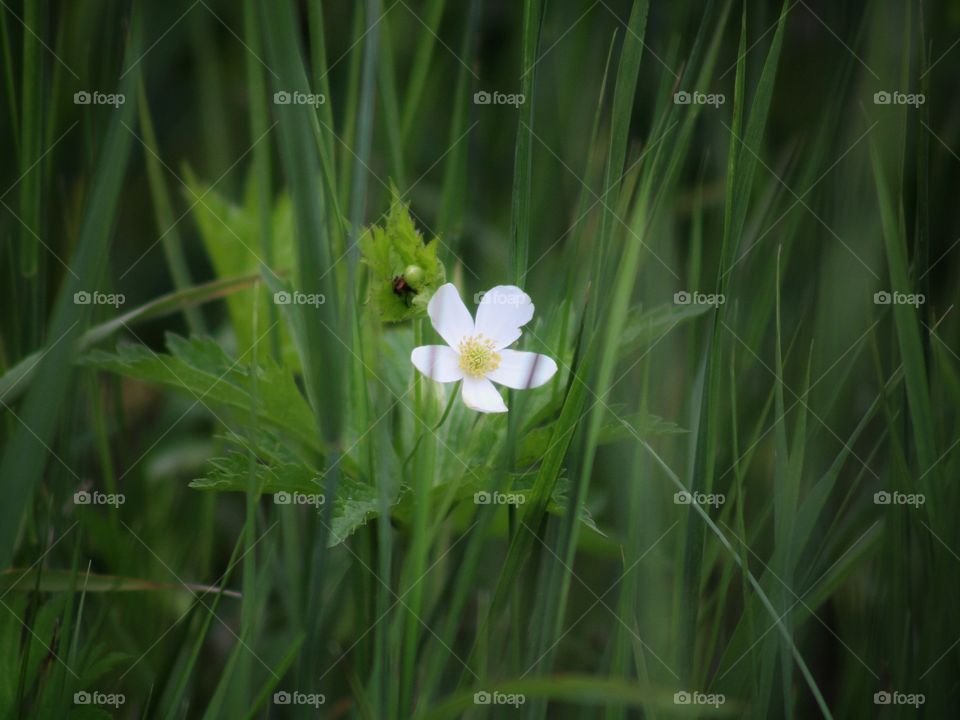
<point>180,688</point>
<point>8,67</point>
<point>321,79</point>
<point>573,268</point>
<point>249,609</point>
<point>624,91</point>
<point>454,192</point>
<point>386,68</point>
<point>24,456</point>
<point>323,368</point>
<point>261,154</point>
<point>421,532</point>
<point>163,210</point>
<point>523,154</point>
<point>298,154</point>
<point>741,523</point>
<point>741,167</point>
<point>906,322</point>
<point>32,124</point>
<point>421,67</point>
<point>350,107</point>
<point>386,684</point>
<point>210,95</point>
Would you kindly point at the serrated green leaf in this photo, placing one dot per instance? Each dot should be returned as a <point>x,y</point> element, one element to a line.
<point>355,504</point>
<point>404,268</point>
<point>202,369</point>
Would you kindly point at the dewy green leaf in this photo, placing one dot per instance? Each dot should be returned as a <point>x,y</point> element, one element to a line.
<point>404,268</point>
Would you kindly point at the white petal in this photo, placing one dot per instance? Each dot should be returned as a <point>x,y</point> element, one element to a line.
<point>437,362</point>
<point>521,370</point>
<point>449,315</point>
<point>480,394</point>
<point>502,312</point>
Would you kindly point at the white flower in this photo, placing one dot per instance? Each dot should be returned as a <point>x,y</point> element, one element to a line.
<point>477,350</point>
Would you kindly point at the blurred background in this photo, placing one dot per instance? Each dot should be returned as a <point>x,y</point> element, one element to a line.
<point>148,163</point>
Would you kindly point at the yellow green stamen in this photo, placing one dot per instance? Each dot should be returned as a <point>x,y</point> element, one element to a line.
<point>478,356</point>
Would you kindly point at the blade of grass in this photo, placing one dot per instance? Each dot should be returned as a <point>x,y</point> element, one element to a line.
<point>741,168</point>
<point>421,66</point>
<point>523,154</point>
<point>163,209</point>
<point>26,453</point>
<point>907,326</point>
<point>17,379</point>
<point>262,169</point>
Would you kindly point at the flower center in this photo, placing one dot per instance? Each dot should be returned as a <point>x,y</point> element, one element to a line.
<point>478,356</point>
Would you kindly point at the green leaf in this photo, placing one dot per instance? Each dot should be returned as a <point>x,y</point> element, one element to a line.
<point>230,234</point>
<point>60,580</point>
<point>643,328</point>
<point>202,369</point>
<point>354,505</point>
<point>404,268</point>
<point>12,381</point>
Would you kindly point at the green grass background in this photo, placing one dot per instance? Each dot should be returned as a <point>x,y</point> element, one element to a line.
<point>796,400</point>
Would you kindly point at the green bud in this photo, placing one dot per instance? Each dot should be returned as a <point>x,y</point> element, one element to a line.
<point>413,274</point>
<point>404,270</point>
